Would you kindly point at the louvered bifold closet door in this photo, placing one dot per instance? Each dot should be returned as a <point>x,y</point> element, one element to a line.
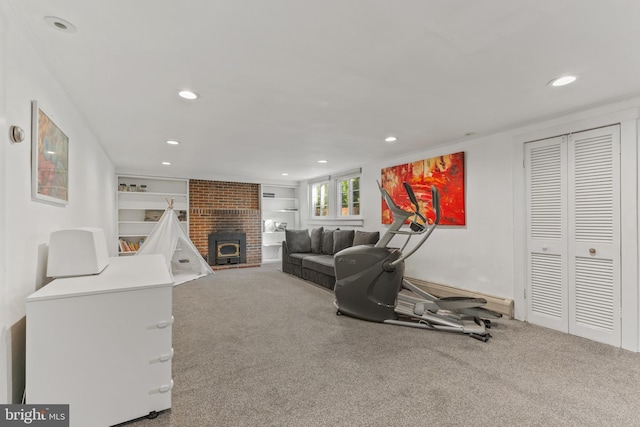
<point>547,302</point>
<point>594,234</point>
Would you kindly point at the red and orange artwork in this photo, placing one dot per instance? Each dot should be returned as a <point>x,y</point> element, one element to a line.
<point>445,172</point>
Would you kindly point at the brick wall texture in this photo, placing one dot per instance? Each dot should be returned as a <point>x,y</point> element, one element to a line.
<point>216,206</point>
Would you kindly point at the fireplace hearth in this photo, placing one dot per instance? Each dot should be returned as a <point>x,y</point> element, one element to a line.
<point>227,247</point>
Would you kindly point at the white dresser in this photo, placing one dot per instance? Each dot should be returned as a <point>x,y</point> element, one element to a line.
<point>102,343</point>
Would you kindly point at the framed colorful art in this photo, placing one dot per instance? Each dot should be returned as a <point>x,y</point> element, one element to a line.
<point>49,159</point>
<point>445,172</point>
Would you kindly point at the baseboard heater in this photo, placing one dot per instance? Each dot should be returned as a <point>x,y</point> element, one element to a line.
<point>503,306</point>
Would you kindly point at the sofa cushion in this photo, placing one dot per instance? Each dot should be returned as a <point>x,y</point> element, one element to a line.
<point>298,241</point>
<point>296,259</point>
<point>320,263</point>
<point>342,239</point>
<point>327,242</point>
<point>366,237</point>
<point>316,240</point>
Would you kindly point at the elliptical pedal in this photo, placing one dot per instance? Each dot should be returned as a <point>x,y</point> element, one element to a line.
<point>483,338</point>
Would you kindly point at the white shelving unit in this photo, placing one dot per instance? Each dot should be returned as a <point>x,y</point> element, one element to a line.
<point>136,216</point>
<point>280,206</point>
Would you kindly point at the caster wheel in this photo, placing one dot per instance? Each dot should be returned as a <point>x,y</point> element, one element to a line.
<point>487,323</point>
<point>338,313</point>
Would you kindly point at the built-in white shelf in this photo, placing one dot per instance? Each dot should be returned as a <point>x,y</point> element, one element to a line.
<point>279,208</point>
<point>136,216</point>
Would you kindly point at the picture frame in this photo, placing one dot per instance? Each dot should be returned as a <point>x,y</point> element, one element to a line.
<point>446,172</point>
<point>49,159</point>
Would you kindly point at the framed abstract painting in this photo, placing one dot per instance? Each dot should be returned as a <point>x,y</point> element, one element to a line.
<point>445,172</point>
<point>49,159</point>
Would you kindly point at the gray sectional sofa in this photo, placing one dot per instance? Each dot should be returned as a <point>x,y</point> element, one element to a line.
<point>309,254</point>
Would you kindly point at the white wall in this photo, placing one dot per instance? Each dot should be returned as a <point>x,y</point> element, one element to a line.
<point>29,223</point>
<point>487,255</point>
<point>476,254</point>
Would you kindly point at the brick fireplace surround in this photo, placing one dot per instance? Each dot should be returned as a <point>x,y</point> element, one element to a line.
<point>216,206</point>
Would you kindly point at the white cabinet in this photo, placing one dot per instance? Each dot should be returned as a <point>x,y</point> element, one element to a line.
<point>141,201</point>
<point>279,212</point>
<point>102,343</point>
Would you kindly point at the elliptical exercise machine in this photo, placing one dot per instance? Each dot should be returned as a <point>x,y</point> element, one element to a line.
<point>370,282</point>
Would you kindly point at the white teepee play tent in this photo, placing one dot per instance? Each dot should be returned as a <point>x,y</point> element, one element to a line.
<point>169,239</point>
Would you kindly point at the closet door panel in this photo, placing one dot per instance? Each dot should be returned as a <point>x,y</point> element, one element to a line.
<point>594,229</point>
<point>547,241</point>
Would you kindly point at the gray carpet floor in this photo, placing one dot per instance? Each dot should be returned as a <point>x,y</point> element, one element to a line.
<point>257,347</point>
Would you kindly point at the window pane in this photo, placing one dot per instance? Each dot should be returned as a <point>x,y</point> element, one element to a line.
<point>324,202</point>
<point>355,196</point>
<point>319,193</point>
<point>349,196</point>
<point>344,197</point>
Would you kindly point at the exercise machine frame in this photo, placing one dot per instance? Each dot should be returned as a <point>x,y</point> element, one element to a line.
<point>370,283</point>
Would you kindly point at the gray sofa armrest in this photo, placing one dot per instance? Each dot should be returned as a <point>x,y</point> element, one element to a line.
<point>285,255</point>
<point>287,265</point>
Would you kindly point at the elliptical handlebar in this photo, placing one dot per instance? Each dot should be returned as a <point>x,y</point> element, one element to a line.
<point>415,225</point>
<point>435,203</point>
<point>397,210</point>
<point>400,216</point>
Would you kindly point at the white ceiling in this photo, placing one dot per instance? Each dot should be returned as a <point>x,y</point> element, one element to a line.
<point>285,83</point>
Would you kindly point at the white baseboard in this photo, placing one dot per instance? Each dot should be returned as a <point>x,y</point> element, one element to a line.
<point>503,306</point>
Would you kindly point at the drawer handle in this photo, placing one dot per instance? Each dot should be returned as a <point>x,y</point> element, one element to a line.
<point>163,388</point>
<point>162,324</point>
<point>167,356</point>
<point>163,357</point>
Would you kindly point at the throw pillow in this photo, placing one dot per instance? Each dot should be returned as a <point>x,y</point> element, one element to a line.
<point>366,237</point>
<point>298,241</point>
<point>316,240</point>
<point>327,242</point>
<point>342,239</point>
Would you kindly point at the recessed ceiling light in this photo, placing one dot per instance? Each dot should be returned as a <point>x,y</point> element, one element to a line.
<point>285,174</point>
<point>60,24</point>
<point>391,139</point>
<point>187,94</point>
<point>173,142</point>
<point>563,81</point>
<point>166,163</point>
<point>322,161</point>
